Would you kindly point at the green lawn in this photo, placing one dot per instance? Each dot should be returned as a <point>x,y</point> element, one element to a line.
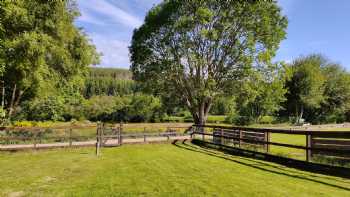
<point>155,170</point>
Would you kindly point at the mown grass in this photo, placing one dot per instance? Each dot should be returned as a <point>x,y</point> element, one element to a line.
<point>156,170</point>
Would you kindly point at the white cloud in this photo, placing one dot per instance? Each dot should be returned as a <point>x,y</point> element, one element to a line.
<point>87,18</point>
<point>107,13</point>
<point>115,52</point>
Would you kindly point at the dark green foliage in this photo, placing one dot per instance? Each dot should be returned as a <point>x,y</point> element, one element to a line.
<point>109,82</point>
<point>336,96</point>
<point>42,51</point>
<point>113,73</point>
<point>50,108</point>
<point>106,108</point>
<point>306,85</point>
<point>318,91</point>
<point>223,106</point>
<point>132,108</point>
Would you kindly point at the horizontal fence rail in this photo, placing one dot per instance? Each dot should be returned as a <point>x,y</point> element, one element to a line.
<point>18,138</point>
<point>334,144</point>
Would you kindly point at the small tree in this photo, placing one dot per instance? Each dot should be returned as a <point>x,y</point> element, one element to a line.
<point>306,86</point>
<point>197,49</point>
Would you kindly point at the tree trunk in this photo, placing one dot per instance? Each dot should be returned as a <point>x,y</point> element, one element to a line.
<point>301,114</point>
<point>18,99</point>
<point>200,116</point>
<point>12,100</point>
<point>3,95</point>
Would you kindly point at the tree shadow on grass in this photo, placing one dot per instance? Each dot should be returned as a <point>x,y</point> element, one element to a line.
<point>287,164</point>
<point>256,164</point>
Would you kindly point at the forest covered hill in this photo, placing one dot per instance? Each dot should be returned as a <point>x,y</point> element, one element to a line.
<point>109,82</point>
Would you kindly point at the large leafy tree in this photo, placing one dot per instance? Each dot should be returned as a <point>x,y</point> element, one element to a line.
<point>336,94</point>
<point>42,49</point>
<point>306,85</point>
<point>263,93</point>
<point>196,49</point>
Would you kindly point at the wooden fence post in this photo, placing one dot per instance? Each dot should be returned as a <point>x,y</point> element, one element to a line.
<point>267,139</point>
<point>222,136</point>
<point>70,137</point>
<point>240,137</point>
<point>35,136</point>
<point>119,137</point>
<point>101,135</point>
<point>194,130</point>
<point>121,132</point>
<point>202,131</point>
<point>308,146</point>
<point>98,139</point>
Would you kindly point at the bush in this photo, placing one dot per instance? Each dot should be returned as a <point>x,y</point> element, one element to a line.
<point>188,117</point>
<point>231,118</point>
<point>267,120</point>
<point>132,108</point>
<point>243,120</point>
<point>144,108</point>
<point>49,108</point>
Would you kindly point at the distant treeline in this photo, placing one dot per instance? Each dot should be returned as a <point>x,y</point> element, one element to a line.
<point>109,82</point>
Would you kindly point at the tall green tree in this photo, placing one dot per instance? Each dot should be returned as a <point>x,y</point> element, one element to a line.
<point>306,85</point>
<point>262,93</point>
<point>43,50</point>
<point>198,49</point>
<point>336,94</point>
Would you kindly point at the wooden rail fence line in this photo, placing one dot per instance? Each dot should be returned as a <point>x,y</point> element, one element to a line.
<point>333,144</point>
<point>107,135</point>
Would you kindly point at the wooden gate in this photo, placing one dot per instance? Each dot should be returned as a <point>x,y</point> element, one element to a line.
<point>108,136</point>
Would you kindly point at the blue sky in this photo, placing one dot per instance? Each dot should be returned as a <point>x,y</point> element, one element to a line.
<point>315,26</point>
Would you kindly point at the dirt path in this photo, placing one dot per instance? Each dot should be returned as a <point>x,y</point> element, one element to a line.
<point>14,147</point>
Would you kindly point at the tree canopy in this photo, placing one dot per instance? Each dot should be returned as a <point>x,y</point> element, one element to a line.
<point>306,85</point>
<point>42,51</point>
<point>198,49</point>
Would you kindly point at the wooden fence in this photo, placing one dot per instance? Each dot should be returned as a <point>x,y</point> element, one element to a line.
<point>334,144</point>
<point>100,135</point>
<point>17,138</point>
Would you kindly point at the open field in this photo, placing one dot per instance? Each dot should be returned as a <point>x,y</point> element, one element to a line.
<point>155,170</point>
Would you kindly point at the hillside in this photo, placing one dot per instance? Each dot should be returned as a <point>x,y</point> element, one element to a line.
<point>114,73</point>
<point>109,81</point>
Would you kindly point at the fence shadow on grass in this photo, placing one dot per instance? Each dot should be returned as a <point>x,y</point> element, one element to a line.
<point>252,161</point>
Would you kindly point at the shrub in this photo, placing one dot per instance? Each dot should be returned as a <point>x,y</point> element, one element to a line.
<point>243,120</point>
<point>100,108</point>
<point>49,108</point>
<point>144,108</point>
<point>188,117</point>
<point>267,120</point>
